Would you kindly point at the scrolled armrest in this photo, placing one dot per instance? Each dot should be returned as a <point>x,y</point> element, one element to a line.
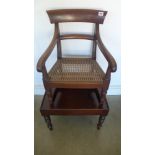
<point>106,53</point>
<point>46,54</point>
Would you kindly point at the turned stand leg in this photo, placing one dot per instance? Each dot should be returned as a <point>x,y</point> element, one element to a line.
<point>100,121</point>
<point>102,98</point>
<point>48,122</point>
<point>49,94</point>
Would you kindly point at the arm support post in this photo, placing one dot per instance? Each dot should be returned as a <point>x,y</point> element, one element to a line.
<point>105,52</point>
<point>41,63</point>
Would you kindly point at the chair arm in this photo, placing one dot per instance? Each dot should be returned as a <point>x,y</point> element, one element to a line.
<point>106,53</point>
<point>46,54</point>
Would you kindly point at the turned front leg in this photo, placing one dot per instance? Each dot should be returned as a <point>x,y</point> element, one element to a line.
<point>48,122</point>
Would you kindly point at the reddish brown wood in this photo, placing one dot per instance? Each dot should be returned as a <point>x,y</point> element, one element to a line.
<point>77,15</point>
<point>74,102</point>
<point>74,97</point>
<point>106,53</point>
<point>59,52</point>
<point>49,95</point>
<point>48,122</point>
<point>74,85</point>
<point>77,36</point>
<point>94,45</point>
<point>100,121</point>
<point>46,54</point>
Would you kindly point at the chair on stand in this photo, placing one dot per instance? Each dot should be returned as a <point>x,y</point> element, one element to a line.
<point>76,86</point>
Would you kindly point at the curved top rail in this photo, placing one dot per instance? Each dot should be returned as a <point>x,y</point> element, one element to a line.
<point>77,15</point>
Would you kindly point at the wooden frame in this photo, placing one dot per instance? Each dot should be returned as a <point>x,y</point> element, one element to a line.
<point>77,15</point>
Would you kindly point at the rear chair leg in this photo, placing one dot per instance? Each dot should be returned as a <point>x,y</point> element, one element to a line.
<point>100,121</point>
<point>48,122</point>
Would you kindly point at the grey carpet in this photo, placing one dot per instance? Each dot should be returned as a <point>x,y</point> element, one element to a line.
<point>77,135</point>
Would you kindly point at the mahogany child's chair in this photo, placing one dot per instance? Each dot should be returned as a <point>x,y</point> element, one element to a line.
<point>76,86</point>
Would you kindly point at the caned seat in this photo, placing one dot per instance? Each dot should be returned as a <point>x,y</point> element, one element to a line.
<point>80,70</point>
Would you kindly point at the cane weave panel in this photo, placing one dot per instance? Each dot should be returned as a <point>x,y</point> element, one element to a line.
<point>81,70</point>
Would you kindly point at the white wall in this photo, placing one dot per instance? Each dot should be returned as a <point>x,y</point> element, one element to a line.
<point>110,33</point>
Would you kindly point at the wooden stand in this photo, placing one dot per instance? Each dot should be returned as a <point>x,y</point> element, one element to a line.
<point>74,102</point>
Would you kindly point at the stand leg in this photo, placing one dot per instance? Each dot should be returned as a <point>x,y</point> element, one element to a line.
<point>49,94</point>
<point>48,122</point>
<point>100,121</point>
<point>102,98</point>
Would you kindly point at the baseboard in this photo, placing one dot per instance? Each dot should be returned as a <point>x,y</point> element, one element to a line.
<point>113,90</point>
